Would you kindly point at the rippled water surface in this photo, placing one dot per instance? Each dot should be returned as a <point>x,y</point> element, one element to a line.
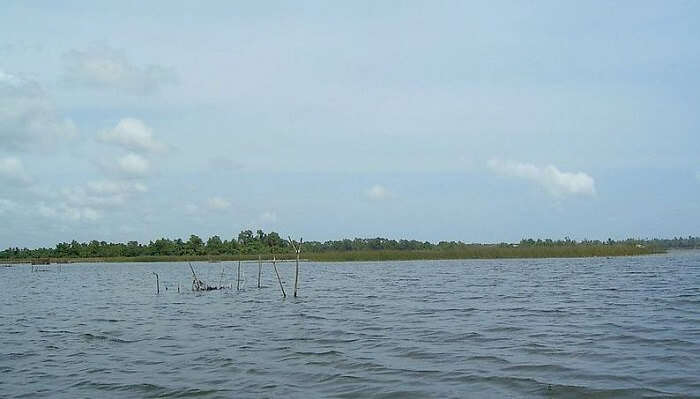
<point>622,327</point>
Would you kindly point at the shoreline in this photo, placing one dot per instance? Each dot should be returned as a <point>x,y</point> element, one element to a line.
<point>370,256</point>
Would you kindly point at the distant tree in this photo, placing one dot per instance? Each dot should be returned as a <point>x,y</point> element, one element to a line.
<point>132,248</point>
<point>214,245</point>
<point>232,246</point>
<point>195,245</point>
<point>245,237</point>
<point>274,240</point>
<point>163,246</point>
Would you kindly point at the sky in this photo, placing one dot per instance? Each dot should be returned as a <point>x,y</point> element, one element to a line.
<point>430,120</point>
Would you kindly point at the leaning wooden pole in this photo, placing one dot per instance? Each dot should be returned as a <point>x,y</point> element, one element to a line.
<point>259,269</point>
<point>274,265</point>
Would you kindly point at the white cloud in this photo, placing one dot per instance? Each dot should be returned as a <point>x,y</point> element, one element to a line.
<point>191,209</point>
<point>46,211</point>
<point>12,171</point>
<point>90,214</point>
<point>88,202</point>
<point>11,80</point>
<point>107,68</point>
<point>133,135</point>
<point>218,203</point>
<point>133,165</point>
<point>378,193</point>
<point>67,212</point>
<point>28,119</point>
<point>116,187</point>
<point>224,163</point>
<point>79,196</point>
<point>101,194</point>
<point>268,217</point>
<point>553,180</point>
<point>7,205</point>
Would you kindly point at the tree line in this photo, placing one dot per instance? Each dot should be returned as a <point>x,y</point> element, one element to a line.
<point>249,243</point>
<point>689,242</point>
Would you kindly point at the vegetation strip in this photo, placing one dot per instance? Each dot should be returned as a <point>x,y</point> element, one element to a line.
<point>250,246</point>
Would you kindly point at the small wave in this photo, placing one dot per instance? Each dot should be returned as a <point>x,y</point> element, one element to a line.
<point>330,352</point>
<point>635,339</point>
<point>149,390</point>
<point>107,320</point>
<point>483,358</point>
<point>12,356</point>
<point>504,329</point>
<point>537,368</point>
<point>340,378</point>
<point>193,393</point>
<point>312,317</point>
<point>89,337</point>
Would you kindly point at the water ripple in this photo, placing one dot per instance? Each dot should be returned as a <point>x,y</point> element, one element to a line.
<point>605,328</point>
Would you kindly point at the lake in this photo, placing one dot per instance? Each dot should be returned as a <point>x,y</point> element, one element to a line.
<point>595,327</point>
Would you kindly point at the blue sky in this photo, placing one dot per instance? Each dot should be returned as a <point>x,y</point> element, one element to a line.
<point>479,122</point>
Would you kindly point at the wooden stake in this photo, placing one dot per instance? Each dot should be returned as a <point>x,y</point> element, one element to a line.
<point>278,277</point>
<point>157,284</point>
<point>259,269</point>
<point>296,269</point>
<point>238,282</point>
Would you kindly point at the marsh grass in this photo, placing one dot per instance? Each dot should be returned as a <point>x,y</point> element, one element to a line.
<point>485,252</point>
<point>466,252</point>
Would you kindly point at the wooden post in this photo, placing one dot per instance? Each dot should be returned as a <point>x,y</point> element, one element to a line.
<point>296,275</point>
<point>259,269</point>
<point>297,249</point>
<point>238,282</point>
<point>157,284</point>
<point>278,276</point>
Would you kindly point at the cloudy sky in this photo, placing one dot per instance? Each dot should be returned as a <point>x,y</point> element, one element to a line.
<point>483,122</point>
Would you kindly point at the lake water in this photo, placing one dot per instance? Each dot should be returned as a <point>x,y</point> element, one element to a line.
<point>604,328</point>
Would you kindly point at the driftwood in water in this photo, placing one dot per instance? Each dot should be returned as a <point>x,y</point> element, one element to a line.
<point>213,288</point>
<point>199,285</point>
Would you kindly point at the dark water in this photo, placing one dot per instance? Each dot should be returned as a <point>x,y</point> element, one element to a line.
<point>606,328</point>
